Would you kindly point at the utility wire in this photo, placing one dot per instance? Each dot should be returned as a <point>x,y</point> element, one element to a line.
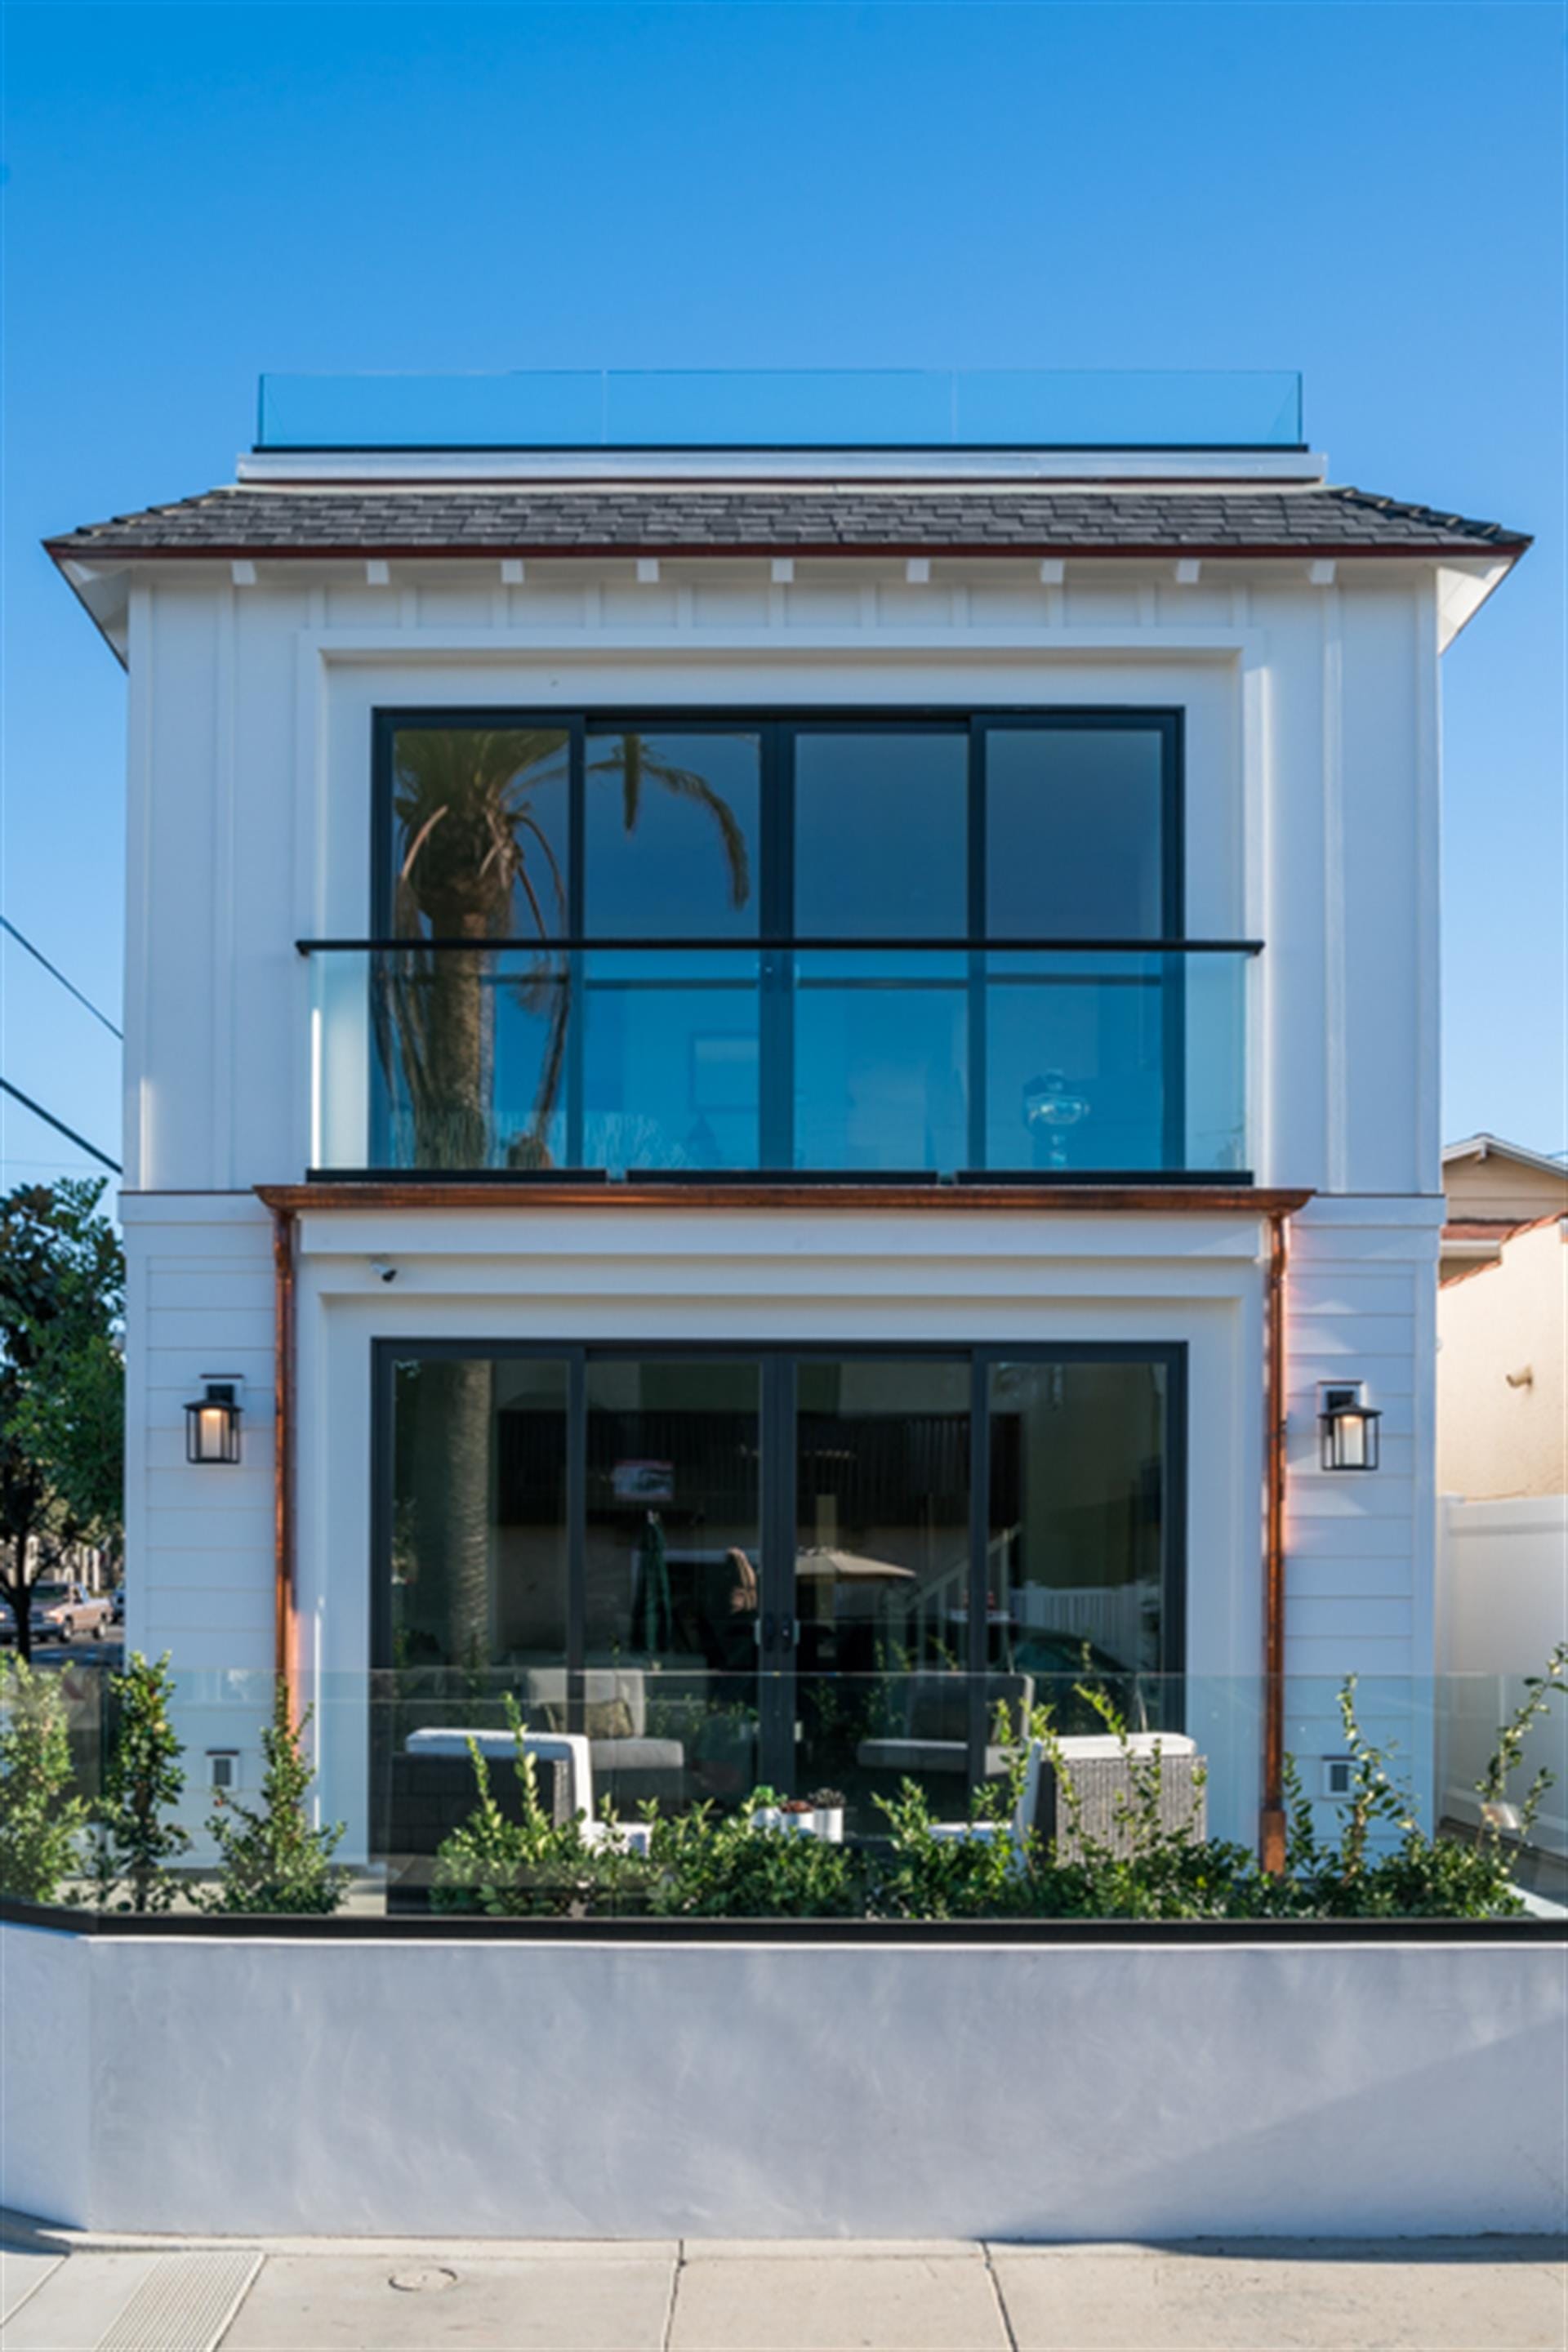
<point>55,974</point>
<point>50,1120</point>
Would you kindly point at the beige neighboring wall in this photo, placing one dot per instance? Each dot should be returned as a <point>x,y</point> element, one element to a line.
<point>1491,1186</point>
<point>1502,1371</point>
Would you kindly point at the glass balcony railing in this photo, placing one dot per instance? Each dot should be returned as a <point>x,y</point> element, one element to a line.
<point>867,1061</point>
<point>642,1733</point>
<point>784,408</point>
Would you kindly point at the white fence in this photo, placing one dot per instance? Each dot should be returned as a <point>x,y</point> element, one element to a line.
<point>1501,1607</point>
<point>581,2090</point>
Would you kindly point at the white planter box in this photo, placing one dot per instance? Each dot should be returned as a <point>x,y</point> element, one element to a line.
<point>582,2088</point>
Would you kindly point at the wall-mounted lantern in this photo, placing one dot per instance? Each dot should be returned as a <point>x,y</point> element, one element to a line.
<point>212,1421</point>
<point>1347,1426</point>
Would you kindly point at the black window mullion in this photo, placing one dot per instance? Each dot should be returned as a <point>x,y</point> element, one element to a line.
<point>776,1592</point>
<point>979,1551</point>
<point>776,1010</point>
<point>977,960</point>
<point>576,901</point>
<point>576,1535</point>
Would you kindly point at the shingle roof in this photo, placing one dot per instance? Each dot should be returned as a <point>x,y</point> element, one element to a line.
<point>524,519</point>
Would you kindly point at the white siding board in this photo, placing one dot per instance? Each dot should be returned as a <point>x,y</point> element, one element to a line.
<point>1348,1617</point>
<point>1334,1577</point>
<point>212,1527</point>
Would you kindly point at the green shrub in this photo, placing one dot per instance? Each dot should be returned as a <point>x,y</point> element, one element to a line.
<point>134,1844</point>
<point>533,1867</point>
<point>41,1817</point>
<point>706,1865</point>
<point>1359,1875</point>
<point>269,1857</point>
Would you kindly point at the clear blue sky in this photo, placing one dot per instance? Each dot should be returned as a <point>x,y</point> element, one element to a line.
<point>1372,194</point>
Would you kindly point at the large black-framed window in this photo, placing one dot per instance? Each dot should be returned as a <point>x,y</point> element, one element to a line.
<point>657,1543</point>
<point>887,943</point>
<point>782,814</point>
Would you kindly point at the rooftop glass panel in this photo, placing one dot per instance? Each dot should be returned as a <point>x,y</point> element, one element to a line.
<point>1195,408</point>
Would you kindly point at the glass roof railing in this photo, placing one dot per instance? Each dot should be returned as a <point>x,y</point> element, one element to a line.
<point>807,408</point>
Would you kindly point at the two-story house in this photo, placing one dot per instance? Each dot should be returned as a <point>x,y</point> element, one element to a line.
<point>782,1072</point>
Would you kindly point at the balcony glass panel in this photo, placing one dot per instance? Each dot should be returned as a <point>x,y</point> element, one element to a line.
<point>881,1059</point>
<point>860,1059</point>
<point>787,408</point>
<point>469,1058</point>
<point>671,835</point>
<point>670,1057</point>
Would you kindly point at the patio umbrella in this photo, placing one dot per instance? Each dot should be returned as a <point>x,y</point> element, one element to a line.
<point>825,1564</point>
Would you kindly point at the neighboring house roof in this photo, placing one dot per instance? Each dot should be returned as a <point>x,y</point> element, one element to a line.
<point>524,518</point>
<point>1504,1240</point>
<point>1493,1147</point>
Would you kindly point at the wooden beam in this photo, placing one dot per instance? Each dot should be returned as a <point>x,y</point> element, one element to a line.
<point>865,1199</point>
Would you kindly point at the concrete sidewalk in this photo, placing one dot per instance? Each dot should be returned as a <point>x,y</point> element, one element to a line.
<point>61,2292</point>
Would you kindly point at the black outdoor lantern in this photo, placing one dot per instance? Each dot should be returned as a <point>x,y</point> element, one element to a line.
<point>212,1424</point>
<point>1347,1427</point>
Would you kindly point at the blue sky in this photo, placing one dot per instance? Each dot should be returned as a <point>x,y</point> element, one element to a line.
<point>1372,194</point>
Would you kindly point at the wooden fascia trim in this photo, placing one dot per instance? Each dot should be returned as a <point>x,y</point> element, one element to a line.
<point>863,1200</point>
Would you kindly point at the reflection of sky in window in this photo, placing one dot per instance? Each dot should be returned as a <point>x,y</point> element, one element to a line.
<point>1073,832</point>
<point>881,836</point>
<point>689,865</point>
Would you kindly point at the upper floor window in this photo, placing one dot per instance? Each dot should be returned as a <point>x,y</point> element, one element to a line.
<point>1059,826</point>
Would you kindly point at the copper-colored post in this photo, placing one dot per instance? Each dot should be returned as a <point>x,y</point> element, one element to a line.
<point>283,1442</point>
<point>1271,1825</point>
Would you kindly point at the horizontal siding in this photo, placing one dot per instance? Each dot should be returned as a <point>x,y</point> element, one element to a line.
<point>200,1556</point>
<point>1358,1567</point>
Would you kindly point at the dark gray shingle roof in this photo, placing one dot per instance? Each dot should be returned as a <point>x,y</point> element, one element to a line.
<point>524,518</point>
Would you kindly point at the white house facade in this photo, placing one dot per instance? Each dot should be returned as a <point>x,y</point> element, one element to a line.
<point>777,1079</point>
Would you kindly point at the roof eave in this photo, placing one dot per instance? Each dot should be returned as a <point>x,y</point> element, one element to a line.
<point>1501,553</point>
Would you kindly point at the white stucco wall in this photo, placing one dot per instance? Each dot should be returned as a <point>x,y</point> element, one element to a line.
<point>757,2090</point>
<point>1502,1373</point>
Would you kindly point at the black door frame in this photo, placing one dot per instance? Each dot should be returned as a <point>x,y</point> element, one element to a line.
<point>777,1487</point>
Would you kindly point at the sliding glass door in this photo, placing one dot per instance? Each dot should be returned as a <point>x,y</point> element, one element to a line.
<point>803,1567</point>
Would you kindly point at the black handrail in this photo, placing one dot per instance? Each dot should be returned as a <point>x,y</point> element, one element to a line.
<point>772,946</point>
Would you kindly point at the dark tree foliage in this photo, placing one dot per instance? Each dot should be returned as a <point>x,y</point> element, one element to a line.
<point>62,1442</point>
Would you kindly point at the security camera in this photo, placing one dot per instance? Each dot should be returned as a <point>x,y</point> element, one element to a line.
<point>379,1265</point>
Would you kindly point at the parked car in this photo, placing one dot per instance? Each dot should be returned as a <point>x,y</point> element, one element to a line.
<point>117,1605</point>
<point>60,1611</point>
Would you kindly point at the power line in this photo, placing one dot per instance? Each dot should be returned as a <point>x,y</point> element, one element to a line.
<point>55,974</point>
<point>58,1124</point>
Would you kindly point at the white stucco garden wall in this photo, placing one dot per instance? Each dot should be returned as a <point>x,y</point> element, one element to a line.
<point>758,2090</point>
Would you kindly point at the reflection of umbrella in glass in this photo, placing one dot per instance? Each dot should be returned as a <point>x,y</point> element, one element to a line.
<point>824,1564</point>
<point>652,1614</point>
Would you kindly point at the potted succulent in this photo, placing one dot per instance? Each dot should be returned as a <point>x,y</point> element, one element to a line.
<point>828,1811</point>
<point>771,1811</point>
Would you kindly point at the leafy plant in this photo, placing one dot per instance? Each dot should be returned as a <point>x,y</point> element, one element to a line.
<point>135,1844</point>
<point>270,1858</point>
<point>62,1282</point>
<point>707,1865</point>
<point>533,1866</point>
<point>1417,1876</point>
<point>41,1818</point>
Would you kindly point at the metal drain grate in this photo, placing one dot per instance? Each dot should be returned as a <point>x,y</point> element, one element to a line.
<point>184,2305</point>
